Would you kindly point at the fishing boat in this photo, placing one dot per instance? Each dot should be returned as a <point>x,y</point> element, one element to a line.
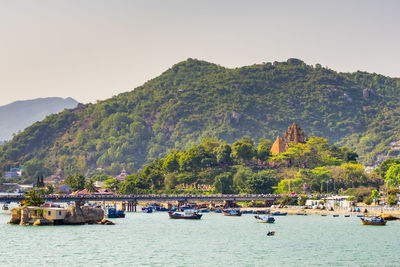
<point>301,212</point>
<point>218,211</point>
<point>347,215</point>
<point>324,214</point>
<point>335,215</point>
<point>147,210</point>
<point>187,214</point>
<point>114,213</point>
<point>264,219</point>
<point>247,212</point>
<point>204,210</point>
<point>271,233</point>
<point>278,213</point>
<point>360,215</point>
<point>231,212</point>
<point>373,221</point>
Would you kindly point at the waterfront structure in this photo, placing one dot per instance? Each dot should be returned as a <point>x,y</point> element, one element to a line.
<point>293,135</point>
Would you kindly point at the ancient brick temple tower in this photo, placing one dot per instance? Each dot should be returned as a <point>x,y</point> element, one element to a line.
<point>294,134</point>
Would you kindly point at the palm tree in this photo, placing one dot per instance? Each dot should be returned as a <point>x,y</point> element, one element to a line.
<point>33,198</point>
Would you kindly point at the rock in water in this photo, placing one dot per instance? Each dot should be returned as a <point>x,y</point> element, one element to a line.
<point>42,222</point>
<point>74,215</point>
<point>81,215</point>
<point>92,215</point>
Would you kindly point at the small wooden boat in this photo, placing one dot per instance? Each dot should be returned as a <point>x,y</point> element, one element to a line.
<point>324,214</point>
<point>187,214</point>
<point>347,215</point>
<point>373,221</point>
<point>360,215</point>
<point>335,215</point>
<point>218,211</point>
<point>278,213</point>
<point>271,233</point>
<point>264,219</point>
<point>231,212</point>
<point>147,210</point>
<point>204,210</point>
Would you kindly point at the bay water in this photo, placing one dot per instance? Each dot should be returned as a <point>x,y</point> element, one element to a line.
<point>215,240</point>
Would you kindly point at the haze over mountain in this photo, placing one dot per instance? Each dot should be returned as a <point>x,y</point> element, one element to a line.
<point>18,115</point>
<point>196,99</point>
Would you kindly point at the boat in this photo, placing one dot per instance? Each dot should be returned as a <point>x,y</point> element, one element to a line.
<point>121,214</point>
<point>112,213</point>
<point>187,214</point>
<point>360,215</point>
<point>324,214</point>
<point>301,212</point>
<point>5,207</point>
<point>347,215</point>
<point>147,210</point>
<point>204,210</point>
<point>271,233</point>
<point>373,221</point>
<point>218,211</point>
<point>264,219</point>
<point>261,212</point>
<point>231,212</point>
<point>278,213</point>
<point>335,215</point>
<point>247,212</point>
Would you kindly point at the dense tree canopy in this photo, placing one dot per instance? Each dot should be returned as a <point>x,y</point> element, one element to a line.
<point>196,99</point>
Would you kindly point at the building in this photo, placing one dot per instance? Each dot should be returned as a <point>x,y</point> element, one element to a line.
<point>15,172</point>
<point>293,135</point>
<point>50,213</point>
<point>121,177</point>
<point>63,188</point>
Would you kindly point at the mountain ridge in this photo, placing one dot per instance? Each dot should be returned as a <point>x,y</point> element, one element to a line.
<point>19,114</point>
<point>196,99</point>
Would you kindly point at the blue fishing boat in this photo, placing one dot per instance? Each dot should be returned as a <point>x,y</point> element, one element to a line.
<point>114,213</point>
<point>247,212</point>
<point>232,212</point>
<point>204,210</point>
<point>218,211</point>
<point>147,210</point>
<point>278,213</point>
<point>373,221</point>
<point>264,219</point>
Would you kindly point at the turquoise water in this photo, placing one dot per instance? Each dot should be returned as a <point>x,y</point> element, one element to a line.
<point>154,240</point>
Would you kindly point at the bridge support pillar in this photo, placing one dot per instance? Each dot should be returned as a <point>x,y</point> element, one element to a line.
<point>180,204</point>
<point>131,206</point>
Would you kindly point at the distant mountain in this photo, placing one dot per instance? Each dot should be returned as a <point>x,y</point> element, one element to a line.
<point>196,99</point>
<point>18,115</point>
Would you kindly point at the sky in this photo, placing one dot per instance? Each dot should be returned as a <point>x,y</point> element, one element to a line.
<point>91,50</point>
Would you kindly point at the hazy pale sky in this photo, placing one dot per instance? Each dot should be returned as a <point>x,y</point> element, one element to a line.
<point>94,49</point>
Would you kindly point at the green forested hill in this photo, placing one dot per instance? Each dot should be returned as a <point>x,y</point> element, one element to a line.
<point>196,99</point>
